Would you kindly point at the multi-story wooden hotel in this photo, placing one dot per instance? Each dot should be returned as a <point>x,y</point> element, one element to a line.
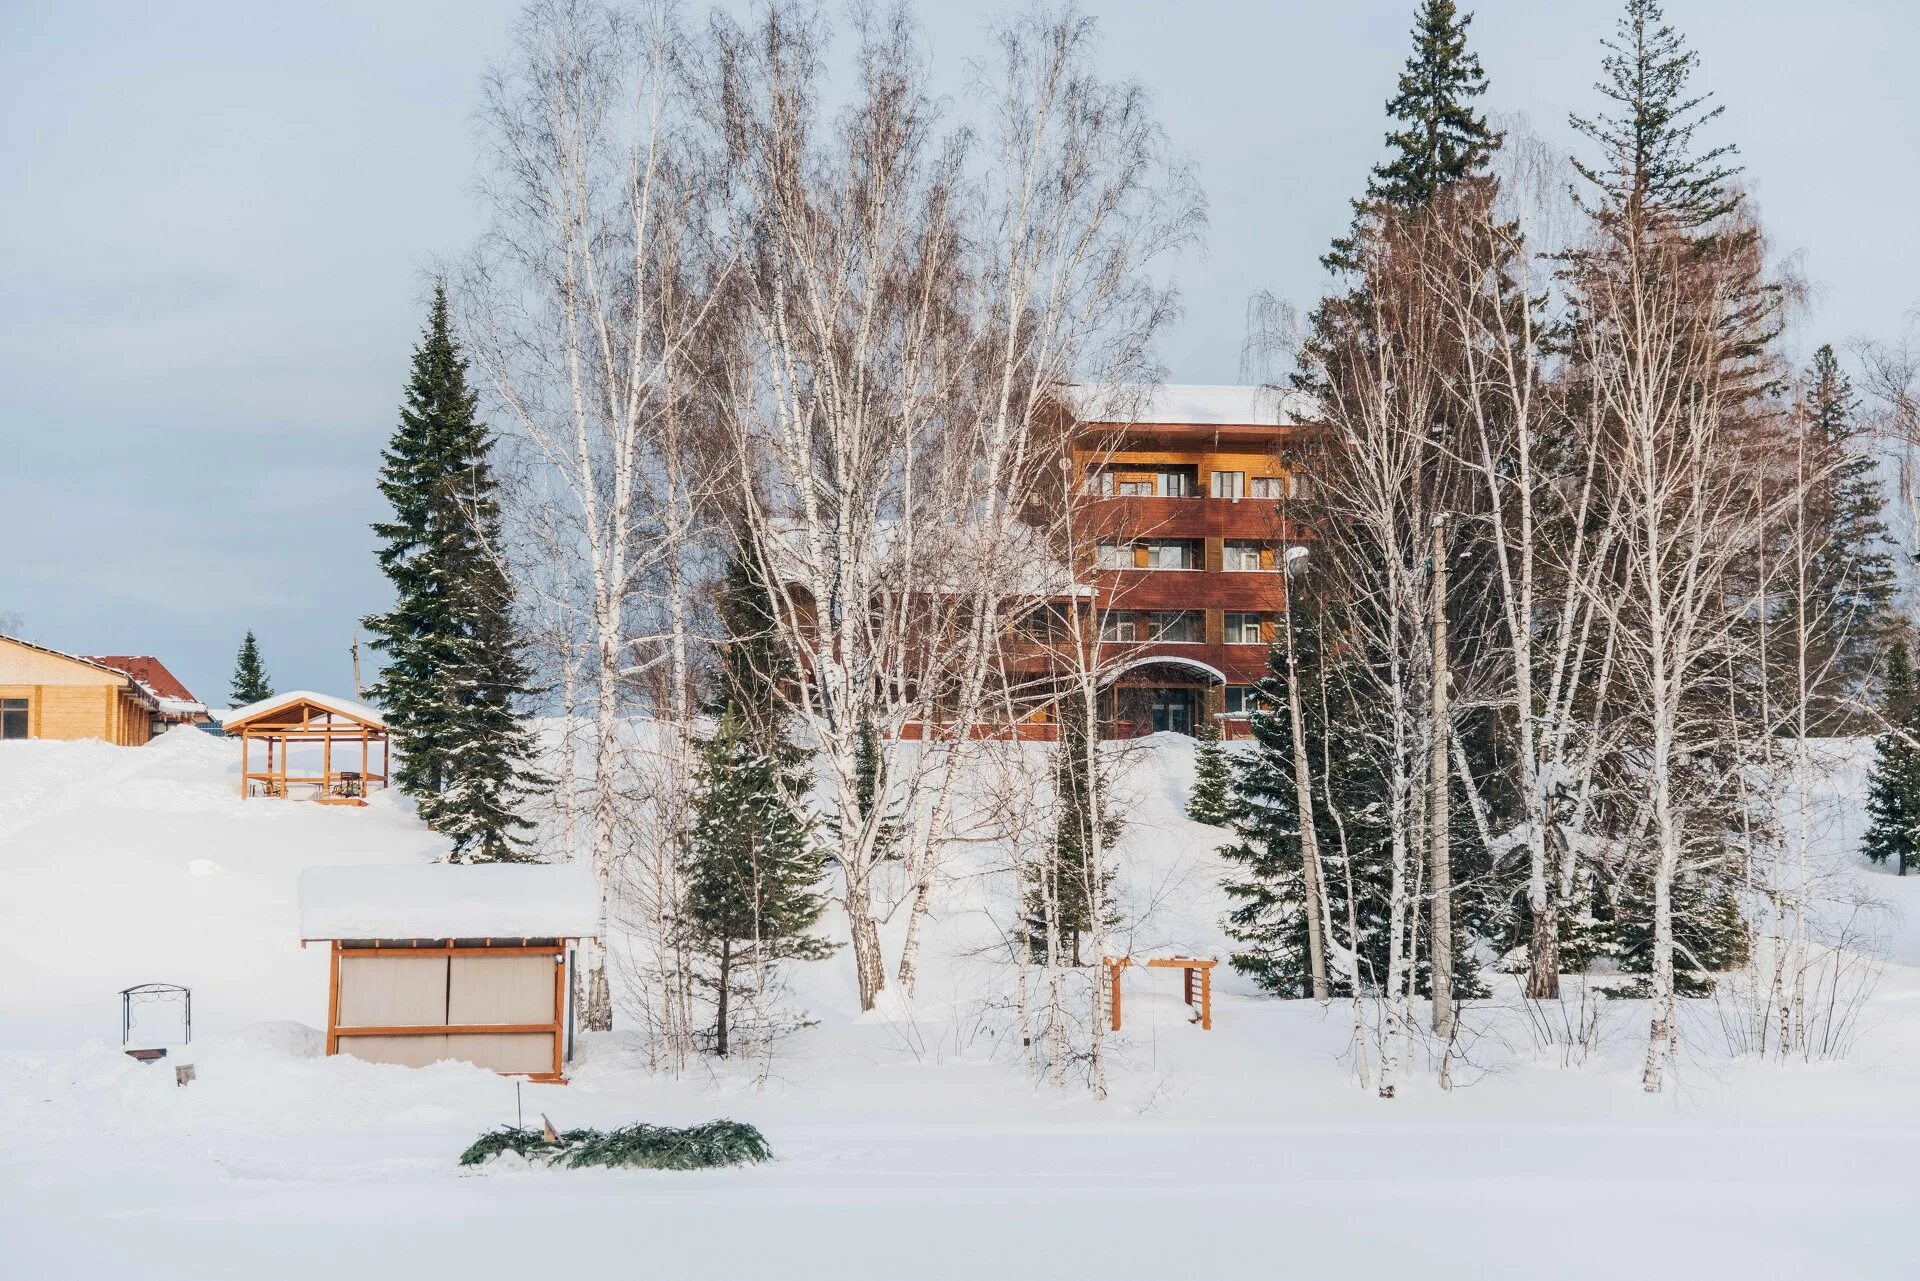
<point>1187,513</point>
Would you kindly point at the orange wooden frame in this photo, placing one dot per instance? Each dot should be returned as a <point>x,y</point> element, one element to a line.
<point>334,787</point>
<point>1190,966</point>
<point>447,947</point>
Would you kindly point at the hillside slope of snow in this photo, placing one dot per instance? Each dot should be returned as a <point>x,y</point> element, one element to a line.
<point>905,1148</point>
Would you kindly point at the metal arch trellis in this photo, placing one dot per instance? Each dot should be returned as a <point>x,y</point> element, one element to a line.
<point>141,993</point>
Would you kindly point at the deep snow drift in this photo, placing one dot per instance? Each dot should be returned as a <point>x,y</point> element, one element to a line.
<point>905,1148</point>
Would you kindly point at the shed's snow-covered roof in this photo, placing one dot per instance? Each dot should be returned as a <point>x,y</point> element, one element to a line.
<point>1200,404</point>
<point>448,900</point>
<point>344,706</point>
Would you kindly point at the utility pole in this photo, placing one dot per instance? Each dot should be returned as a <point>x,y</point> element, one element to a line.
<point>354,649</point>
<point>1441,852</point>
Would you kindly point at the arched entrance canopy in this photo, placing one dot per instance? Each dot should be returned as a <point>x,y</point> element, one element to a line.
<point>1209,672</point>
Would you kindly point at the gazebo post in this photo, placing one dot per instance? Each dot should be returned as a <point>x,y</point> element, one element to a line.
<point>245,738</point>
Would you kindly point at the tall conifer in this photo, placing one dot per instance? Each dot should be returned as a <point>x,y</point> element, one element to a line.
<point>1850,577</point>
<point>1437,137</point>
<point>452,675</point>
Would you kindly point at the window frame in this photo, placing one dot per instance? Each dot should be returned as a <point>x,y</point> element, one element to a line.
<point>1237,636</point>
<point>1157,632</point>
<point>1193,550</point>
<point>21,707</point>
<point>1231,545</point>
<point>1238,484</point>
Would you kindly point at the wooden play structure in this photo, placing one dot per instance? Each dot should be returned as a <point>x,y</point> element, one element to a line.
<point>1197,976</point>
<point>443,961</point>
<point>337,725</point>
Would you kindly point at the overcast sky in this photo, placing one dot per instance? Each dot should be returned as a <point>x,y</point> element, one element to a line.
<point>216,220</point>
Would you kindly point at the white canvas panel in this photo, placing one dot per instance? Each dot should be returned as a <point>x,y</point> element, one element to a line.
<point>402,1051</point>
<point>501,989</point>
<point>503,1052</point>
<point>392,989</point>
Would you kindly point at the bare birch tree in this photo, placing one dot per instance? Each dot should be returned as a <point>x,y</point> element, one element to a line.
<point>906,318</point>
<point>584,311</point>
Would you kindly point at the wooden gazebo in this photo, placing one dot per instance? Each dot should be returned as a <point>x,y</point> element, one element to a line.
<point>346,732</point>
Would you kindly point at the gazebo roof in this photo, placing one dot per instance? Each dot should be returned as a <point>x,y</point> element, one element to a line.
<point>276,710</point>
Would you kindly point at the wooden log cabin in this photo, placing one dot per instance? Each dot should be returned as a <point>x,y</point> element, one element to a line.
<point>47,694</point>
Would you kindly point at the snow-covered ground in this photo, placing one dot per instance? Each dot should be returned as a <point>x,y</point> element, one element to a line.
<point>904,1149</point>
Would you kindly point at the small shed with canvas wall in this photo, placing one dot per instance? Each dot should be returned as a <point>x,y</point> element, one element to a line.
<point>442,961</point>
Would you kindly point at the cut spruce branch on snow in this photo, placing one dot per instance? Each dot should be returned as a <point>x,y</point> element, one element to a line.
<point>709,1146</point>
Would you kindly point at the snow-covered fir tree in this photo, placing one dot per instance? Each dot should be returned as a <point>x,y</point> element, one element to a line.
<point>1893,785</point>
<point>751,860</point>
<point>1212,795</point>
<point>1068,892</point>
<point>1850,582</point>
<point>250,681</point>
<point>752,871</point>
<point>453,678</point>
<point>1436,136</point>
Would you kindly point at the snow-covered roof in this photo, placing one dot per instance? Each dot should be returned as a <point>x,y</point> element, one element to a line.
<point>449,900</point>
<point>134,686</point>
<point>952,557</point>
<point>1199,404</point>
<point>344,706</point>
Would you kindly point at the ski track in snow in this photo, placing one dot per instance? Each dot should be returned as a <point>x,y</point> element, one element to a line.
<point>904,1150</point>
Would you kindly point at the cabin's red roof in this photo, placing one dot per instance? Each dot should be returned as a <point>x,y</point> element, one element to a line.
<point>149,671</point>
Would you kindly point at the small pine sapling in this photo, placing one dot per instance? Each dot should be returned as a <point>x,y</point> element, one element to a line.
<point>1211,800</point>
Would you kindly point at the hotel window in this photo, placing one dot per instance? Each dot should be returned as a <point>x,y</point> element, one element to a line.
<point>1299,486</point>
<point>1099,482</point>
<point>1269,486</point>
<point>1136,489</point>
<point>1240,554</point>
<point>1243,629</point>
<point>1115,556</point>
<point>1241,700</point>
<point>1229,484</point>
<point>1180,553</point>
<point>1178,627</point>
<point>13,718</point>
<point>1174,484</point>
<point>1117,625</point>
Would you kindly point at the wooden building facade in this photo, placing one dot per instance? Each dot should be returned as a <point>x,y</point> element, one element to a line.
<point>47,694</point>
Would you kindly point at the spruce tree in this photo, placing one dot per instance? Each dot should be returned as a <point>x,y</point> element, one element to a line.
<point>752,871</point>
<point>250,680</point>
<point>452,676</point>
<point>1437,138</point>
<point>1648,164</point>
<point>1067,894</point>
<point>1850,576</point>
<point>1893,785</point>
<point>1211,799</point>
<point>1652,179</point>
<point>1267,883</point>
